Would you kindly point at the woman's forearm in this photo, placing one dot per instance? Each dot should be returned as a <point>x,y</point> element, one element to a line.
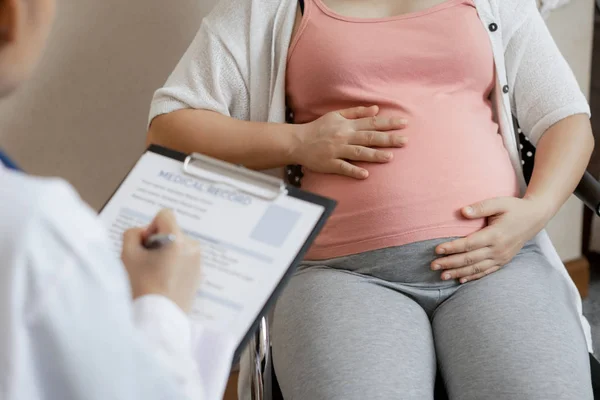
<point>561,158</point>
<point>255,145</point>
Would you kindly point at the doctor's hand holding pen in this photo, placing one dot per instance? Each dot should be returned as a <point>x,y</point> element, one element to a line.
<point>161,260</point>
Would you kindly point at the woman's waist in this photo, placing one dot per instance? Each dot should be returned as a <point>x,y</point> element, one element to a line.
<point>397,263</point>
<point>407,263</point>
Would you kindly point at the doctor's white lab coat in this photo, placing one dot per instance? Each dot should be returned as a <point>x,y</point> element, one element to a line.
<point>68,327</point>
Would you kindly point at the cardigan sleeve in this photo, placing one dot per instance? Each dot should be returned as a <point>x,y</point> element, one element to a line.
<point>542,86</point>
<point>212,74</point>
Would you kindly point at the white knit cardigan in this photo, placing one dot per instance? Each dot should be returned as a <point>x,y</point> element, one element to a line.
<point>236,66</point>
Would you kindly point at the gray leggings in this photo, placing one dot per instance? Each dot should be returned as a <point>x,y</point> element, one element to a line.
<point>377,325</point>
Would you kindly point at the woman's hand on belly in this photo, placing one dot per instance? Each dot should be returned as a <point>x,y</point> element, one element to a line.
<point>330,143</point>
<point>512,222</point>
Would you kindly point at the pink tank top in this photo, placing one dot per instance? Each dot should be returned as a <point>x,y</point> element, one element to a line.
<point>436,69</point>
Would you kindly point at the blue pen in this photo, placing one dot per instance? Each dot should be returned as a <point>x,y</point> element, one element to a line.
<point>159,240</point>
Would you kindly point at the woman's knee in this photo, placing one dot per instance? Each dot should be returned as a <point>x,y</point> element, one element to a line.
<point>515,334</point>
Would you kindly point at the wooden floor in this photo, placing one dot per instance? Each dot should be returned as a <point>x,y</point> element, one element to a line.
<point>231,392</point>
<point>579,270</point>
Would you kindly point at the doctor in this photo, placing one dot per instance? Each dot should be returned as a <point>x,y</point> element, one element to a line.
<point>72,325</point>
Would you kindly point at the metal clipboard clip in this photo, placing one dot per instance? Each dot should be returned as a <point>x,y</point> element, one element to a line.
<point>238,177</point>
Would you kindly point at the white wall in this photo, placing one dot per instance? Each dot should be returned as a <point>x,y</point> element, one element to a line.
<point>83,117</point>
<point>572,29</point>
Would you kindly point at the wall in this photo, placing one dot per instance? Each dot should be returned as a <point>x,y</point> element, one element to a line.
<point>572,29</point>
<point>83,117</point>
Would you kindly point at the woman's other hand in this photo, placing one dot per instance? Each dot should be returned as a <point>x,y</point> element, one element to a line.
<point>172,270</point>
<point>330,143</point>
<point>512,222</point>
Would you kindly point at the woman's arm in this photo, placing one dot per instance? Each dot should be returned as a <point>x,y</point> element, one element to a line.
<point>204,106</point>
<point>253,144</point>
<point>553,113</point>
<point>543,89</point>
<point>561,157</point>
<point>325,145</point>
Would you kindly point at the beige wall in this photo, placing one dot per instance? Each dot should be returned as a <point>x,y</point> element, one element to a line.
<point>83,117</point>
<point>572,28</point>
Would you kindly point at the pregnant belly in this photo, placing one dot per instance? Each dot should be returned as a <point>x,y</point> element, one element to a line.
<point>417,196</point>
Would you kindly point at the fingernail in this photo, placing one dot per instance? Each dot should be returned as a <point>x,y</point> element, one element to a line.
<point>364,174</point>
<point>469,210</point>
<point>436,267</point>
<point>441,251</point>
<point>463,280</point>
<point>399,121</point>
<point>388,156</point>
<point>446,277</point>
<point>399,140</point>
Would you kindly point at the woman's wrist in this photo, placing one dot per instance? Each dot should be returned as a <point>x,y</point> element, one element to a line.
<point>545,206</point>
<point>294,138</point>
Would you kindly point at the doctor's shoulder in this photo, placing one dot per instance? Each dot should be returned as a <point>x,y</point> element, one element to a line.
<point>45,225</point>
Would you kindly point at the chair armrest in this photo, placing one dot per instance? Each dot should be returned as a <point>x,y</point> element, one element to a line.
<point>588,191</point>
<point>260,353</point>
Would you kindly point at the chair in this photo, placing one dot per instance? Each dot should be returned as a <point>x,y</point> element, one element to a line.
<point>264,381</point>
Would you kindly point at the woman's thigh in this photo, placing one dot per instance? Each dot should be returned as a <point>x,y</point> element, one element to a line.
<point>515,334</point>
<point>339,335</point>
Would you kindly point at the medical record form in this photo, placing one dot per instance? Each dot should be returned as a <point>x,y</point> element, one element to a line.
<point>253,229</point>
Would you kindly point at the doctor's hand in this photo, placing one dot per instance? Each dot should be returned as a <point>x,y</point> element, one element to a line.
<point>512,222</point>
<point>330,143</point>
<point>172,271</point>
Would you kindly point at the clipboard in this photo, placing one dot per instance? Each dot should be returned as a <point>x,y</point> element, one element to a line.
<point>251,183</point>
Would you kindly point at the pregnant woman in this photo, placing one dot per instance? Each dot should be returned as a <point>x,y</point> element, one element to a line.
<point>436,255</point>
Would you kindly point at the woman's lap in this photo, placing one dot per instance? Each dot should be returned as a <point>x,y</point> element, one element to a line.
<point>336,336</point>
<point>513,335</point>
